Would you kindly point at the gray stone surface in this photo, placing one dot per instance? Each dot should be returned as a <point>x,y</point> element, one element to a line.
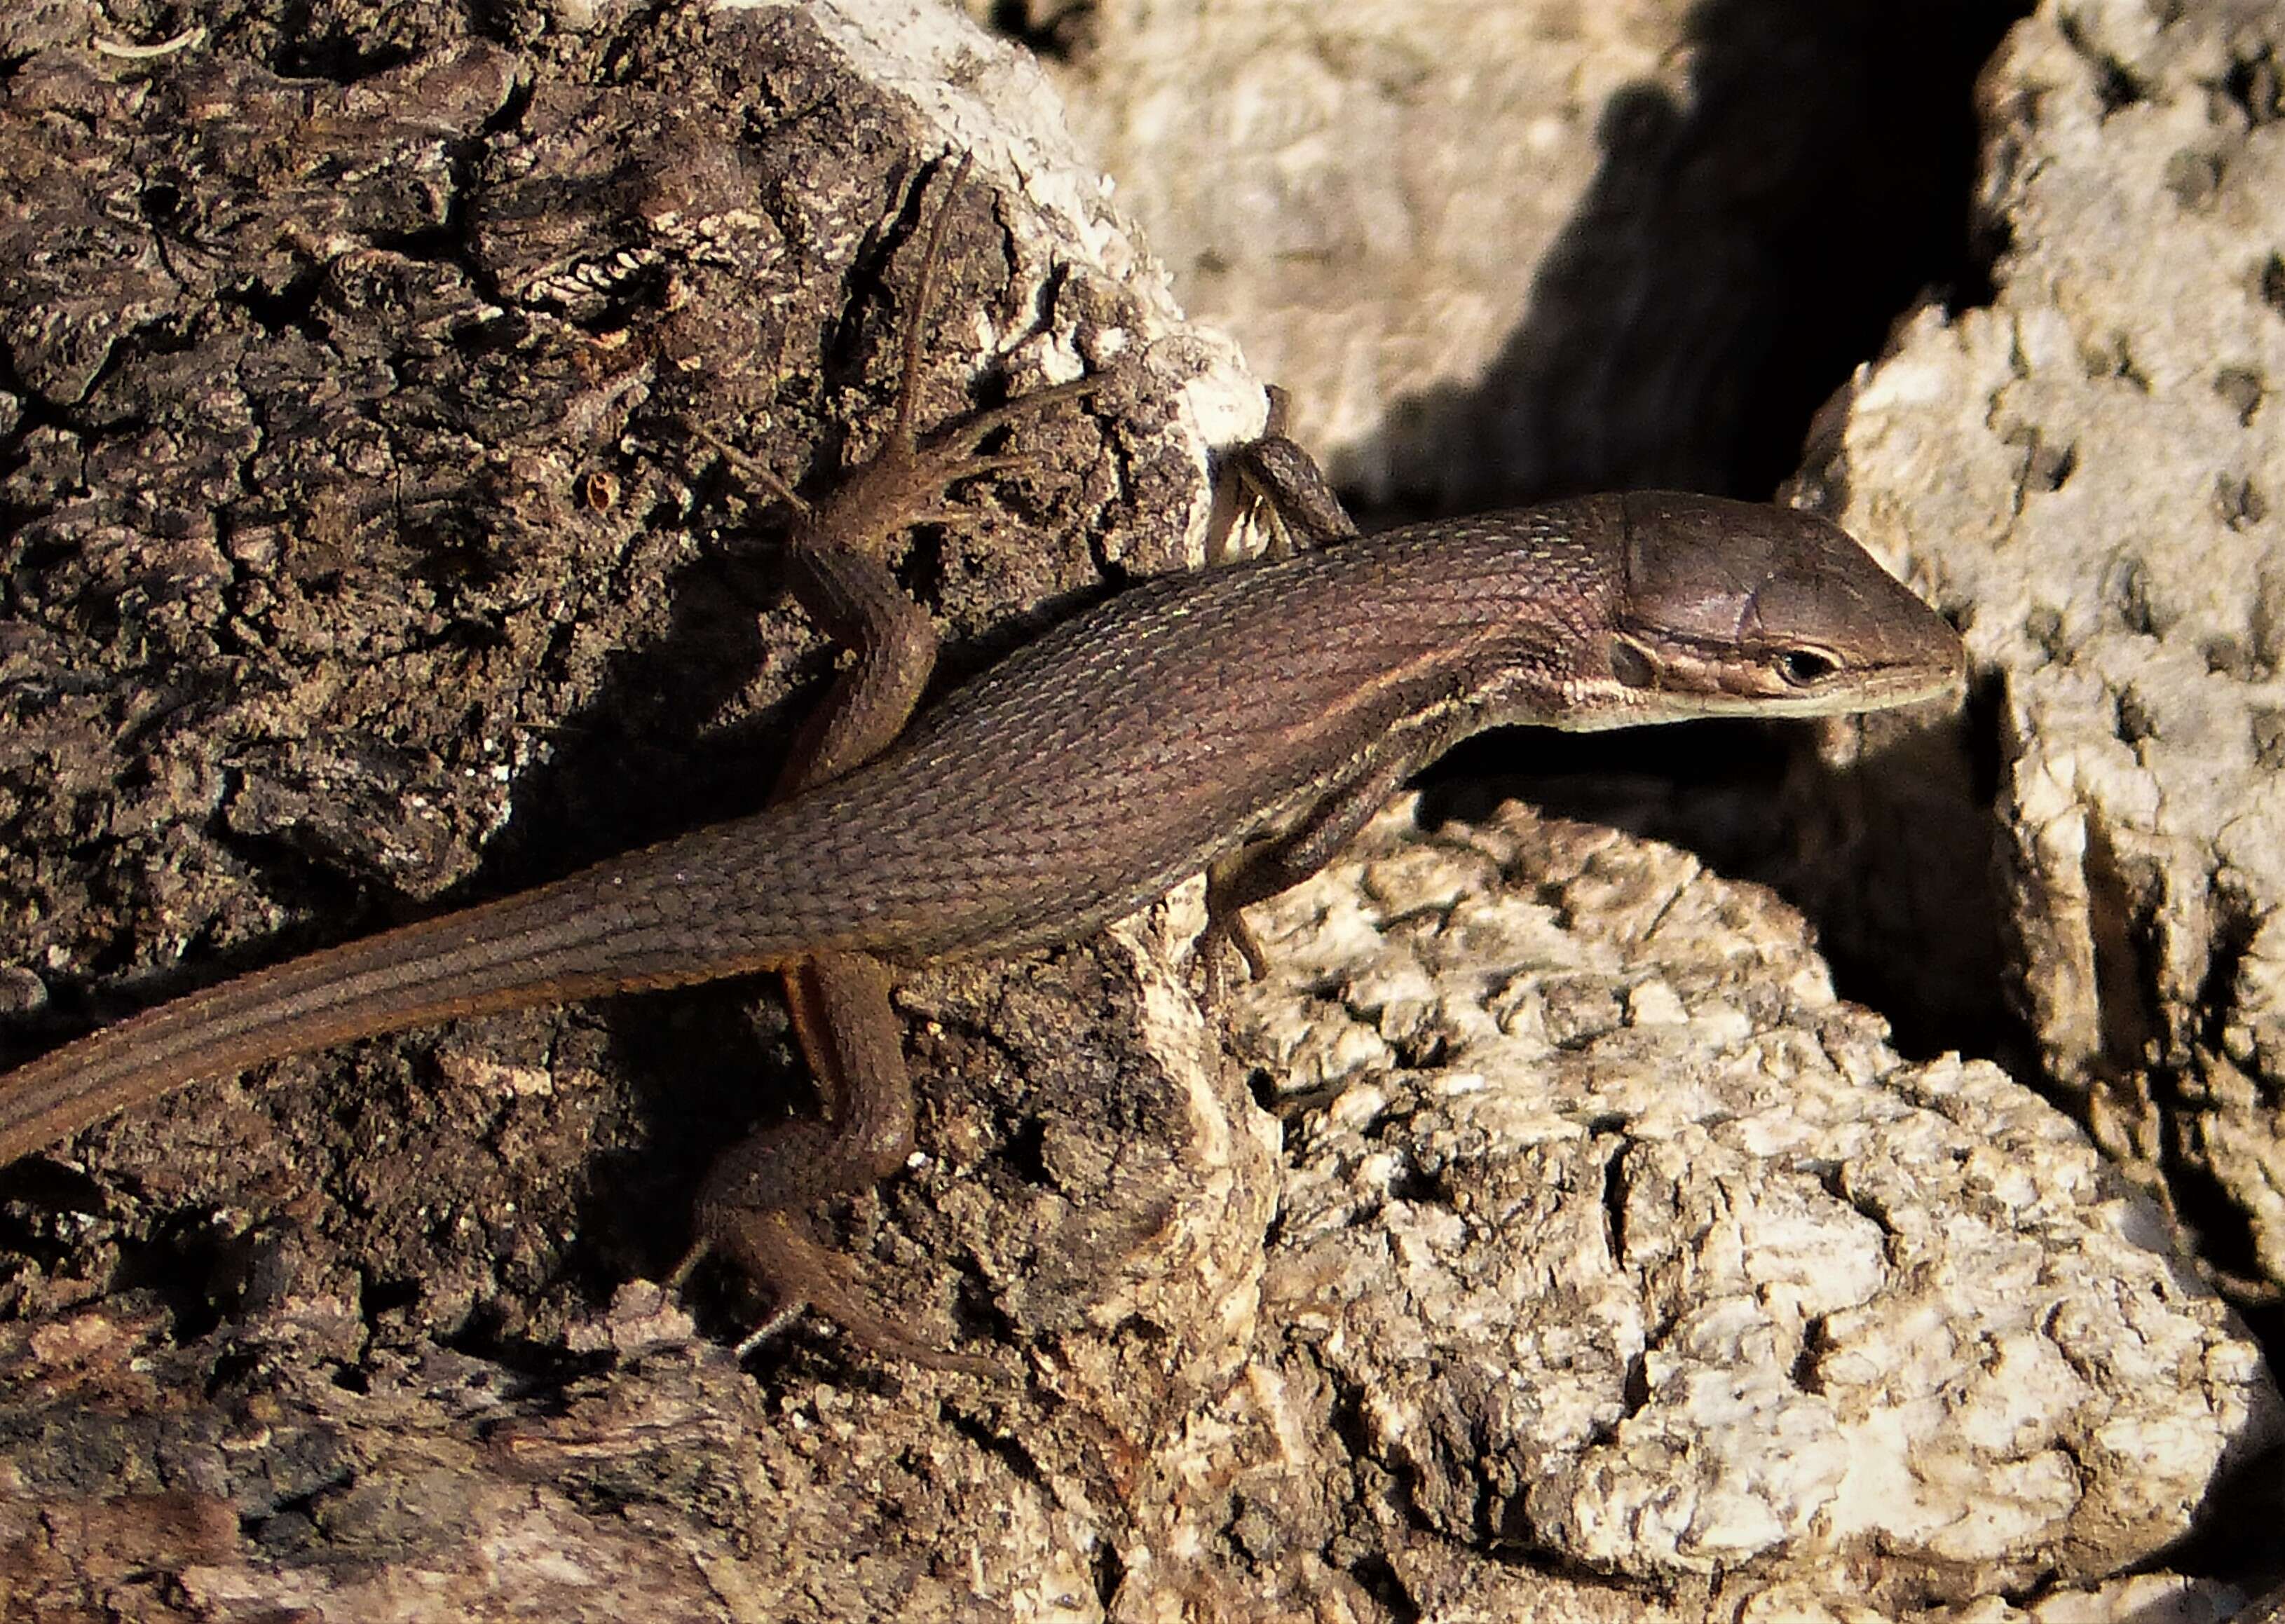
<point>2087,472</point>
<point>1359,192</point>
<point>1643,1252</point>
<point>1516,249</point>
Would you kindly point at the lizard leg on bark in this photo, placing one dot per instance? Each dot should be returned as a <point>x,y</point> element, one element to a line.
<point>1283,486</point>
<point>749,1206</point>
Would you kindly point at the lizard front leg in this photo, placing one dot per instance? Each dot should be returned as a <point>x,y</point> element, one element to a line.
<point>1283,484</point>
<point>1257,873</point>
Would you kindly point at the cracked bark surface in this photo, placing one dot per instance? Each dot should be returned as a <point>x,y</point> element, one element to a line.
<point>358,561</point>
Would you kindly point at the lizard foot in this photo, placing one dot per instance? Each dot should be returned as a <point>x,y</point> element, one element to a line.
<point>905,482</point>
<point>769,1247</point>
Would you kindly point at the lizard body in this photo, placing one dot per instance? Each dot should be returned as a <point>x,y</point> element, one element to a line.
<point>1089,772</point>
<point>1244,721</point>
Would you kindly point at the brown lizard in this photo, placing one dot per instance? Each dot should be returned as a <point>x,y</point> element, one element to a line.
<point>1244,720</point>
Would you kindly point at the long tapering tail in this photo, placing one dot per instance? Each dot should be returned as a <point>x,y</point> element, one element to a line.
<point>591,933</point>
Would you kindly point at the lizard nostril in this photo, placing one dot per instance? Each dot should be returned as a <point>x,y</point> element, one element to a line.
<point>1631,666</point>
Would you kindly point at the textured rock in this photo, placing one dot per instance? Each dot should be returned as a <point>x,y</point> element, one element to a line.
<point>1508,250</point>
<point>1327,184</point>
<point>2087,470</point>
<point>1642,1252</point>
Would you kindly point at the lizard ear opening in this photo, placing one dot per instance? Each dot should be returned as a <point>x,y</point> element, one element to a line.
<point>1631,664</point>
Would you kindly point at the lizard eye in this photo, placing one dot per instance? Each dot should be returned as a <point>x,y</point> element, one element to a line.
<point>1805,668</point>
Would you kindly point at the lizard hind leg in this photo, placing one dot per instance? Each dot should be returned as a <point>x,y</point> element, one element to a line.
<point>806,1275</point>
<point>907,481</point>
<point>771,1245</point>
<point>951,448</point>
<point>907,478</point>
<point>747,1205</point>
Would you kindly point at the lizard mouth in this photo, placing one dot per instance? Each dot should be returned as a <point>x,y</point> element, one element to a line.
<point>1680,678</point>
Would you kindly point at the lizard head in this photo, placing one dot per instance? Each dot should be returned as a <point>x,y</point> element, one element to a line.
<point>1736,608</point>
